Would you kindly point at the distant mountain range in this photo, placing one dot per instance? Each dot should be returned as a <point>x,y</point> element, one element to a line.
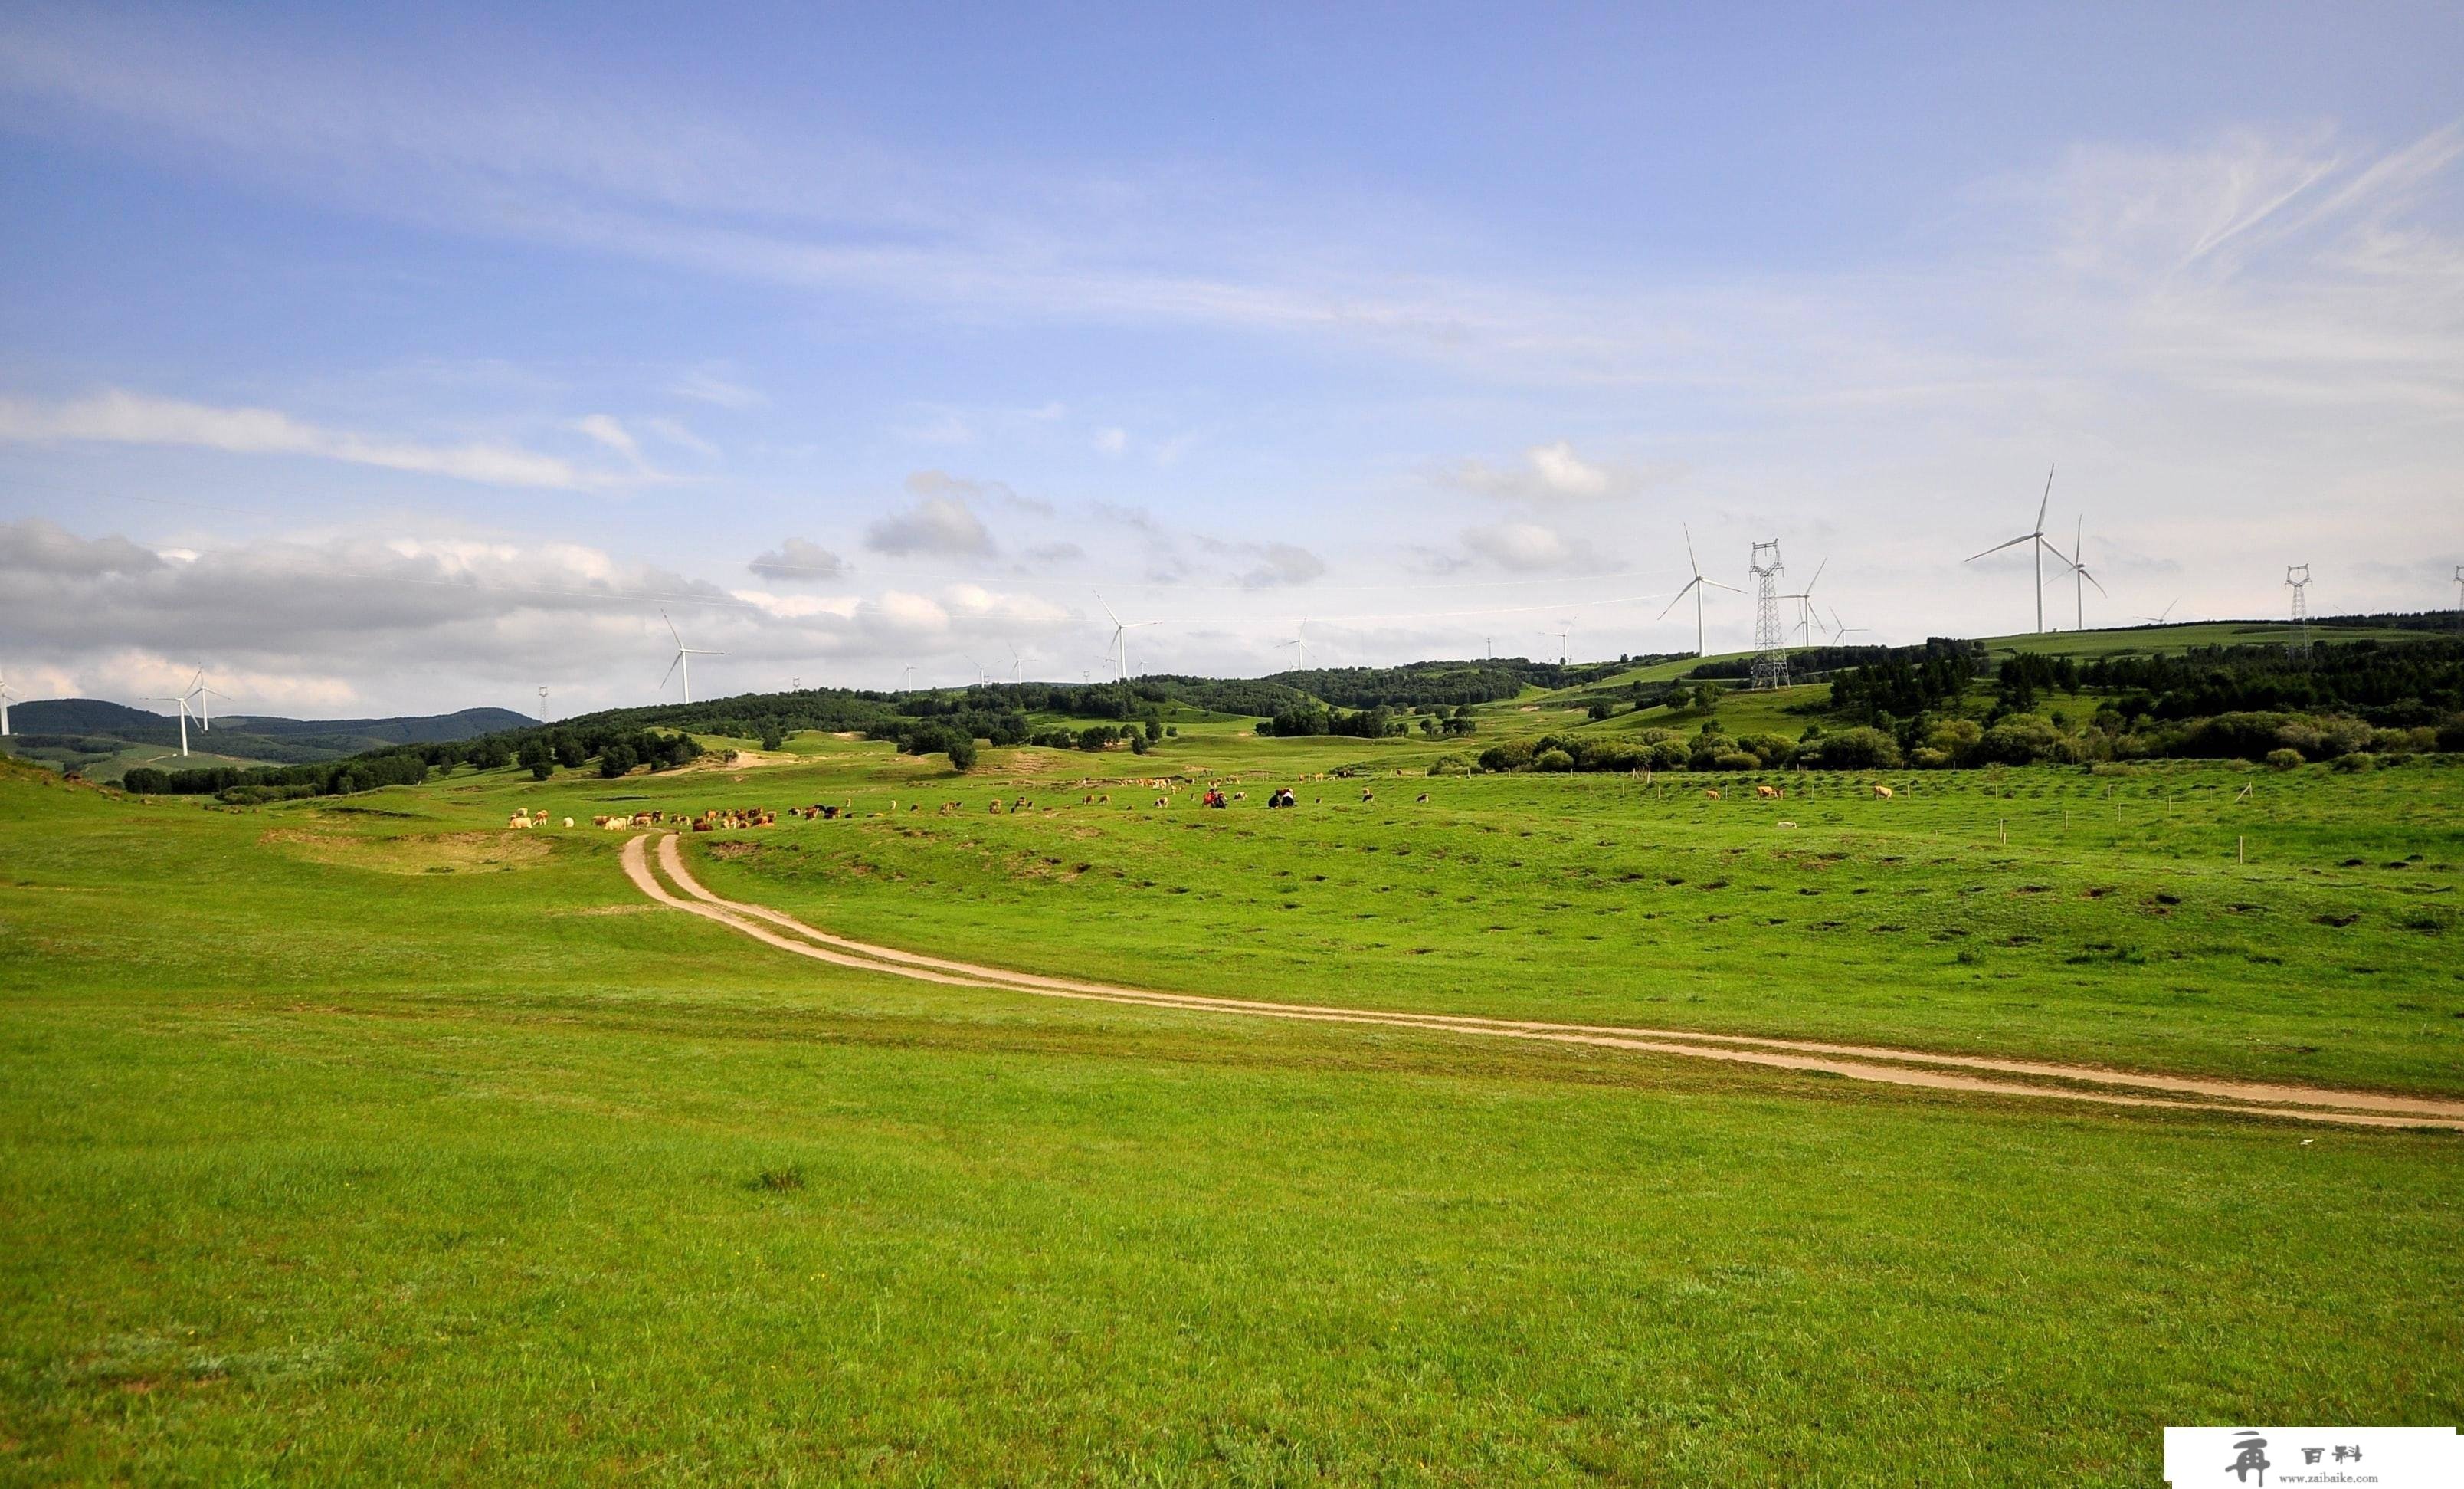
<point>95,736</point>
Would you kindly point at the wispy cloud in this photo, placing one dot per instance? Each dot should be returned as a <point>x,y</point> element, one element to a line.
<point>119,417</point>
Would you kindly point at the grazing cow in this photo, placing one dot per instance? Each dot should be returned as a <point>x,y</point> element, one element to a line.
<point>1766,793</point>
<point>568,822</point>
<point>1423,796</point>
<point>1710,795</point>
<point>1366,794</point>
<point>1158,801</point>
<point>520,820</point>
<point>1882,792</point>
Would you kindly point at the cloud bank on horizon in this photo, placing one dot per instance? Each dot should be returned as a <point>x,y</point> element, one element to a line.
<point>408,362</point>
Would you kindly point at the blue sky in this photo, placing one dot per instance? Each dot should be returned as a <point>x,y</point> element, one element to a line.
<point>415,360</point>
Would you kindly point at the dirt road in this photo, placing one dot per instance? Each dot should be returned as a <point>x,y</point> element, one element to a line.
<point>1858,1062</point>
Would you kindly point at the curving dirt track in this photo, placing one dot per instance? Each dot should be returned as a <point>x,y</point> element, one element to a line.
<point>1858,1062</point>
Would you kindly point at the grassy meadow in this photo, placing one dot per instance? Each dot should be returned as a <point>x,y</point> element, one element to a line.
<point>363,1140</point>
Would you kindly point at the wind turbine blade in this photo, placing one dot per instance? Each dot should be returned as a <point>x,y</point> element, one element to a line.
<point>673,631</point>
<point>2025,537</point>
<point>1680,594</point>
<point>671,669</point>
<point>1716,585</point>
<point>2091,579</point>
<point>2048,501</point>
<point>1817,576</point>
<point>1690,562</point>
<point>1107,609</point>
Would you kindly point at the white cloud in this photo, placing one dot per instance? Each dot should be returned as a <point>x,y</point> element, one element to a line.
<point>940,522</point>
<point>1552,473</point>
<point>1111,441</point>
<point>799,561</point>
<point>119,417</point>
<point>703,385</point>
<point>606,431</point>
<point>677,434</point>
<point>1519,546</point>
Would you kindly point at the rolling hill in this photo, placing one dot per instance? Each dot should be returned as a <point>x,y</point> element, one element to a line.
<point>101,739</point>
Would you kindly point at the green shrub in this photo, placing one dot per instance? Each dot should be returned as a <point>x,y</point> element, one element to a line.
<point>1553,760</point>
<point>2359,760</point>
<point>1450,765</point>
<point>1852,749</point>
<point>2284,759</point>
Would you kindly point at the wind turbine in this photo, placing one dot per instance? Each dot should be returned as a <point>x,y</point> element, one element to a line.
<point>1300,639</point>
<point>198,690</point>
<point>183,701</point>
<point>1807,616</point>
<point>1017,667</point>
<point>1838,631</point>
<point>2037,538</point>
<point>1561,637</point>
<point>2157,620</point>
<point>1121,630</point>
<point>981,676</point>
<point>2079,574</point>
<point>1697,584</point>
<point>5,699</point>
<point>907,677</point>
<point>684,656</point>
<point>542,692</point>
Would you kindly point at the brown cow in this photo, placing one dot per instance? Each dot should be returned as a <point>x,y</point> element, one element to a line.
<point>1766,793</point>
<point>1710,795</point>
<point>1882,792</point>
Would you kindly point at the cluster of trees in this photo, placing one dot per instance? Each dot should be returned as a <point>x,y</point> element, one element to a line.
<point>2401,683</point>
<point>1139,737</point>
<point>1442,683</point>
<point>331,778</point>
<point>1711,748</point>
<point>1801,662</point>
<point>1907,682</point>
<point>1374,723</point>
<point>572,746</point>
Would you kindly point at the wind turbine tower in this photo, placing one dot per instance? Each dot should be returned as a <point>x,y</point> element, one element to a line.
<point>1121,630</point>
<point>1771,636</point>
<point>183,701</point>
<point>5,699</point>
<point>542,693</point>
<point>1697,584</point>
<point>2297,578</point>
<point>2081,578</point>
<point>203,696</point>
<point>684,658</point>
<point>1300,642</point>
<point>2036,538</point>
<point>1807,616</point>
<point>1562,649</point>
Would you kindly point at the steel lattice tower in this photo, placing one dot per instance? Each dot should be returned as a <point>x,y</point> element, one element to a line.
<point>1771,636</point>
<point>2297,578</point>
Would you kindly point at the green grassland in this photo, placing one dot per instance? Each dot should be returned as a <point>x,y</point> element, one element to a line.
<point>361,1140</point>
<point>2173,640</point>
<point>110,766</point>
